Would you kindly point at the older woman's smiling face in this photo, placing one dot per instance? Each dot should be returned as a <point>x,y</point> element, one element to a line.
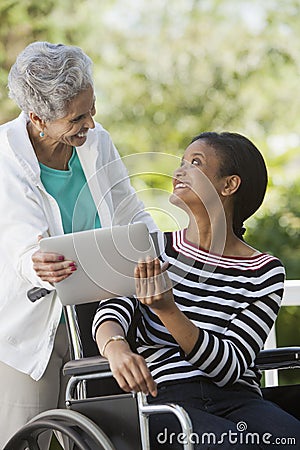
<point>72,129</point>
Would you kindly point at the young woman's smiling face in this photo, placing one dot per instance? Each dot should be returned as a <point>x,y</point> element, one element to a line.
<point>197,180</point>
<point>72,129</point>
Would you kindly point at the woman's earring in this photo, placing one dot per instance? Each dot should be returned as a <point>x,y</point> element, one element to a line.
<point>42,134</point>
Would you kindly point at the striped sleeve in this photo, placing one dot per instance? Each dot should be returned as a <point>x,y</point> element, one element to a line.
<point>226,357</point>
<point>120,310</point>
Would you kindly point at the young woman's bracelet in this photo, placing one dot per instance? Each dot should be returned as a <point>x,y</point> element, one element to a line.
<point>112,339</point>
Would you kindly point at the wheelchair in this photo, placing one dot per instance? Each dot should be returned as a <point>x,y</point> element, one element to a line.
<point>99,415</point>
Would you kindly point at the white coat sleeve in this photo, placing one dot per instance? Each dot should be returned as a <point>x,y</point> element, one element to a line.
<point>22,221</point>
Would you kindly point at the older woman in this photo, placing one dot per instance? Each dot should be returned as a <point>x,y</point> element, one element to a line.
<point>201,331</point>
<point>60,172</point>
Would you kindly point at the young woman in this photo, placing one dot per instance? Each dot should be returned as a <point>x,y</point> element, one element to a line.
<point>206,313</point>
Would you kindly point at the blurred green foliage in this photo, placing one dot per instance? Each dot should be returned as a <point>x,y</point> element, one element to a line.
<point>167,70</point>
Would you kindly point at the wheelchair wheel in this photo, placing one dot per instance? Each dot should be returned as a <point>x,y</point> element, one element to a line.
<point>78,432</point>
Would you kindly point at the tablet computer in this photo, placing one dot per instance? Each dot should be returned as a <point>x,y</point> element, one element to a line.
<point>105,258</point>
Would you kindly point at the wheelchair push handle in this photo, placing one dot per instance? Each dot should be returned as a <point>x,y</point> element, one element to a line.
<point>36,293</point>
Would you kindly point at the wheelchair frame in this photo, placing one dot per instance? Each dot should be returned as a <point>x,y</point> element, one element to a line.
<point>98,368</point>
<point>84,432</point>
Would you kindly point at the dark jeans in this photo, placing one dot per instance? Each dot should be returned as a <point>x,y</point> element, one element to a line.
<point>223,418</point>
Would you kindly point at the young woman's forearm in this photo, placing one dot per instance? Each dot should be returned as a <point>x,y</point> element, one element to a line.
<point>154,289</point>
<point>105,332</point>
<point>129,369</point>
<point>181,328</point>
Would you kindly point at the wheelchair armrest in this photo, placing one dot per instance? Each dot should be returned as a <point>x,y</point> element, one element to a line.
<point>85,366</point>
<point>278,358</point>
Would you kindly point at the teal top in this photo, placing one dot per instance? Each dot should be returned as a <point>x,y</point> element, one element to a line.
<point>72,193</point>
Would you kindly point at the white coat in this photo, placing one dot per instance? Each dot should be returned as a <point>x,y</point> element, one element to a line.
<point>27,329</point>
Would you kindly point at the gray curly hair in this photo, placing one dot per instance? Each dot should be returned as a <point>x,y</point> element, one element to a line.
<point>45,77</point>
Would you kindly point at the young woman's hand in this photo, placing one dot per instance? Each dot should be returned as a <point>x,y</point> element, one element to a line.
<point>152,284</point>
<point>52,267</point>
<point>130,370</point>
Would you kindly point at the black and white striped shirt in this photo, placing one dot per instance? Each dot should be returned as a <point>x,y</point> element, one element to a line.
<point>233,301</point>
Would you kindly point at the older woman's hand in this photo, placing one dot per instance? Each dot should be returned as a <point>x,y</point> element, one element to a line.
<point>153,286</point>
<point>52,267</point>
